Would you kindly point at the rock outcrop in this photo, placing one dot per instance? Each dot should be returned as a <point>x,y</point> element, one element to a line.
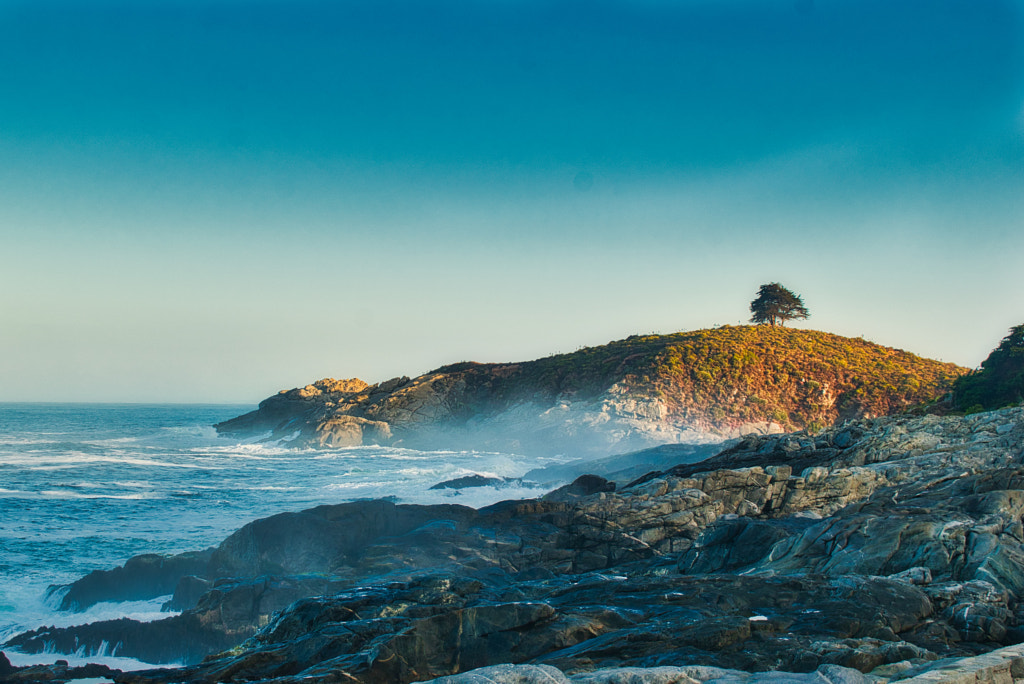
<point>884,546</point>
<point>478,480</point>
<point>54,673</point>
<point>632,394</point>
<point>142,577</point>
<point>624,468</point>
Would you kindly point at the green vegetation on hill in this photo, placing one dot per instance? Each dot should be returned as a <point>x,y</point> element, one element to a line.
<point>795,378</point>
<point>725,377</point>
<point>1000,380</point>
<point>638,390</point>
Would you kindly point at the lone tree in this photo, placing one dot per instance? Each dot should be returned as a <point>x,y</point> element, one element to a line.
<point>776,304</point>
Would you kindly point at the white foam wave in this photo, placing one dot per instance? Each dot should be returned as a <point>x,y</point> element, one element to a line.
<point>19,659</point>
<point>193,431</point>
<point>336,457</point>
<point>23,441</point>
<point>77,459</point>
<point>478,497</point>
<point>62,494</point>
<point>374,450</point>
<point>288,438</point>
<point>342,486</point>
<point>143,611</point>
<point>113,441</point>
<point>41,612</point>
<point>398,456</point>
<point>465,472</point>
<point>251,451</point>
<point>417,472</point>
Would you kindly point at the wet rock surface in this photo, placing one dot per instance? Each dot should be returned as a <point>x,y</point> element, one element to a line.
<point>624,468</point>
<point>54,673</point>
<point>477,480</point>
<point>886,547</point>
<point>142,577</point>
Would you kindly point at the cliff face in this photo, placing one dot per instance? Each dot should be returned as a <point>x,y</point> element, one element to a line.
<point>630,394</point>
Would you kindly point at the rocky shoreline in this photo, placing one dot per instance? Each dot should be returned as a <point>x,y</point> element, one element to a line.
<point>885,547</point>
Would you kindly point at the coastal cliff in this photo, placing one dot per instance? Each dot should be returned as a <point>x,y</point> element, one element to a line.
<point>634,393</point>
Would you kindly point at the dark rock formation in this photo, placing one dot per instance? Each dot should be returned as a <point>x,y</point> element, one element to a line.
<point>142,577</point>
<point>175,639</point>
<point>5,665</point>
<point>477,480</point>
<point>449,625</point>
<point>883,546</point>
<point>325,539</point>
<point>624,468</point>
<point>57,673</point>
<point>187,593</point>
<point>581,487</point>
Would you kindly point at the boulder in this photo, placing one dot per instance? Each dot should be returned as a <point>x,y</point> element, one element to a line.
<point>321,539</point>
<point>582,486</point>
<point>55,673</point>
<point>142,577</point>
<point>476,480</point>
<point>345,431</point>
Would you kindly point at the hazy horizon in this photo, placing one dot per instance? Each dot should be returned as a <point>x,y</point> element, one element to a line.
<point>212,201</point>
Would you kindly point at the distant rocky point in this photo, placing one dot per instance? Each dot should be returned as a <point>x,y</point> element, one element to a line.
<point>693,387</point>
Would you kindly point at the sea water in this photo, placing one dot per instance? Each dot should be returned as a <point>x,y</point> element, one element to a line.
<point>86,486</point>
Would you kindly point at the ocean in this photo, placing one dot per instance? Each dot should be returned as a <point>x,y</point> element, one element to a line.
<point>86,486</point>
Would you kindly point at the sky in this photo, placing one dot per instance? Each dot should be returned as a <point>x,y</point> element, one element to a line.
<point>212,201</point>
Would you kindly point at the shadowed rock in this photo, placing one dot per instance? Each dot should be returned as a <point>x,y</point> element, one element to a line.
<point>142,577</point>
<point>55,673</point>
<point>582,486</point>
<point>477,480</point>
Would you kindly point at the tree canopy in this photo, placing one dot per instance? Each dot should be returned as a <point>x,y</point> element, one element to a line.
<point>1000,380</point>
<point>776,304</point>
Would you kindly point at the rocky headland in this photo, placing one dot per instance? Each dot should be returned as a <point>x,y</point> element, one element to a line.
<point>631,394</point>
<point>880,549</point>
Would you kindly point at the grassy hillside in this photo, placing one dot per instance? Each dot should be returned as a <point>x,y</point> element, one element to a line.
<point>727,380</point>
<point>724,377</point>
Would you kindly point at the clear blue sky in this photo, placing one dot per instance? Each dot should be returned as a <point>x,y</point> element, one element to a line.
<point>211,201</point>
